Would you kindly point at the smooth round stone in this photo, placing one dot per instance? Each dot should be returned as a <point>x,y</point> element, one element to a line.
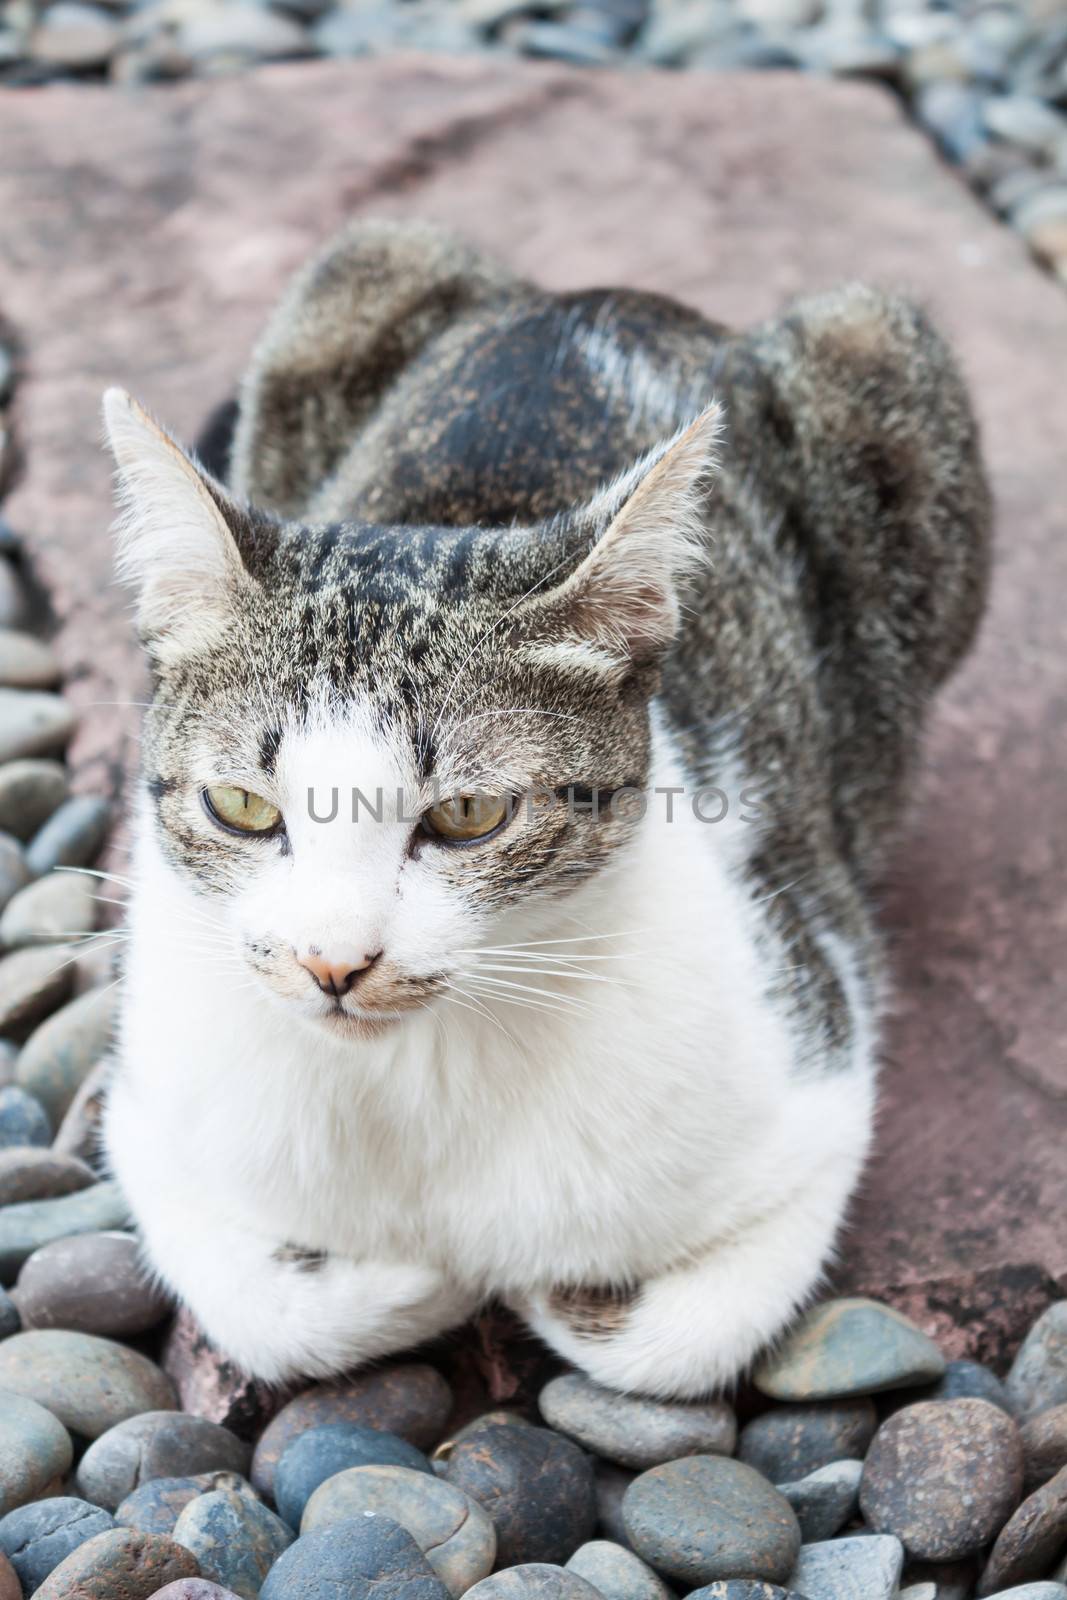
<point>1038,1377</point>
<point>611,1484</point>
<point>36,1174</point>
<point>1029,1543</point>
<point>452,1530</point>
<point>616,1572</point>
<point>35,1450</point>
<point>10,1587</point>
<point>10,1321</point>
<point>848,1347</point>
<point>75,37</point>
<point>23,1119</point>
<point>92,1283</point>
<point>1044,1446</point>
<point>88,1384</point>
<point>61,906</point>
<point>369,1559</point>
<point>33,724</point>
<point>26,662</point>
<point>791,1441</point>
<point>634,1432</point>
<point>860,1568</point>
<point>120,1565</point>
<point>24,1228</point>
<point>535,1580</point>
<point>234,1538</point>
<point>29,793</point>
<point>411,1400</point>
<point>1034,1591</point>
<point>33,983</point>
<point>79,1132</point>
<point>943,1476</point>
<point>14,873</point>
<point>825,1500</point>
<point>156,1506</point>
<point>193,1589</point>
<point>159,1443</point>
<point>744,1589</point>
<point>36,1538</point>
<point>969,1380</point>
<point>322,1452</point>
<point>241,30</point>
<point>536,1486</point>
<point>708,1518</point>
<point>72,835</point>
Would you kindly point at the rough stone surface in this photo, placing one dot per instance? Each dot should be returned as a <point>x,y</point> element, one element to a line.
<point>194,1589</point>
<point>36,1538</point>
<point>743,1589</point>
<point>1038,1377</point>
<point>120,1565</point>
<point>156,1444</point>
<point>616,1572</point>
<point>1029,1544</point>
<point>536,1486</point>
<point>234,1538</point>
<point>321,1452</point>
<point>23,1119</point>
<point>1045,1446</point>
<point>825,1500</point>
<point>89,1384</point>
<point>848,1347</point>
<point>943,1477</point>
<point>849,1569</point>
<point>92,1283</point>
<point>758,191</point>
<point>633,1432</point>
<point>10,1588</point>
<point>534,1581</point>
<point>369,1559</point>
<point>35,1451</point>
<point>789,1442</point>
<point>970,1380</point>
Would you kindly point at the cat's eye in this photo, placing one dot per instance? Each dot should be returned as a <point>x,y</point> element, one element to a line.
<point>241,810</point>
<point>463,817</point>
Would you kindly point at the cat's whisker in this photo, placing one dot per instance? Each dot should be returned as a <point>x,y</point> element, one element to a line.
<point>557,1000</point>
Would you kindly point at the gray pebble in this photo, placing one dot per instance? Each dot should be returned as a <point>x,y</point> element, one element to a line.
<point>79,1132</point>
<point>710,1517</point>
<point>155,1506</point>
<point>30,1173</point>
<point>13,603</point>
<point>35,1450</point>
<point>157,1444</point>
<point>60,906</point>
<point>849,1569</point>
<point>611,1484</point>
<point>616,1572</point>
<point>319,1453</point>
<point>744,1589</point>
<point>193,1589</point>
<point>451,1529</point>
<point>1024,121</point>
<point>33,983</point>
<point>88,1384</point>
<point>119,1565</point>
<point>790,1441</point>
<point>633,1432</point>
<point>10,1321</point>
<point>534,1581</point>
<point>72,836</point>
<point>26,662</point>
<point>33,723</point>
<point>23,1119</point>
<point>14,873</point>
<point>1032,1591</point>
<point>848,1347</point>
<point>234,1538</point>
<point>59,1055</point>
<point>536,1485</point>
<point>93,1283</point>
<point>825,1500</point>
<point>241,30</point>
<point>970,1380</point>
<point>36,1538</point>
<point>27,1226</point>
<point>1038,1377</point>
<point>75,37</point>
<point>30,791</point>
<point>368,1559</point>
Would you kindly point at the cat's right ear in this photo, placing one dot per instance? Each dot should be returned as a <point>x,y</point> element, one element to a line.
<point>176,547</point>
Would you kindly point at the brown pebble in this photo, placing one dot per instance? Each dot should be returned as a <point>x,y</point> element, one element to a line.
<point>30,1173</point>
<point>1031,1541</point>
<point>10,1588</point>
<point>122,1564</point>
<point>1045,1446</point>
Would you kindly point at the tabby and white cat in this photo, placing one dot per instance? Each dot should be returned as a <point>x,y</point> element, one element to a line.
<point>599,1055</point>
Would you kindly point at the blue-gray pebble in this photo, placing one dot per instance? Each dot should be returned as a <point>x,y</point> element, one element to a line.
<point>369,1558</point>
<point>37,1537</point>
<point>710,1517</point>
<point>743,1589</point>
<point>535,1580</point>
<point>321,1452</point>
<point>970,1380</point>
<point>235,1539</point>
<point>10,1321</point>
<point>23,1120</point>
<point>155,1506</point>
<point>72,835</point>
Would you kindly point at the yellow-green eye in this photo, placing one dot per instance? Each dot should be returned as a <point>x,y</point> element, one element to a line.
<point>241,810</point>
<point>466,816</point>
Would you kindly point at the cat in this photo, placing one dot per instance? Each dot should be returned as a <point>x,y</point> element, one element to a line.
<point>614,631</point>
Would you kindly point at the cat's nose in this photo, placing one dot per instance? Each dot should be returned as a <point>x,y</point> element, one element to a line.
<point>335,977</point>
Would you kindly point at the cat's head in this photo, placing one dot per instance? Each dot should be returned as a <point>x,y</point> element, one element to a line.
<point>377,753</point>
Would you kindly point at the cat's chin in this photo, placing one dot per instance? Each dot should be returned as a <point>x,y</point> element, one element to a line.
<point>364,1025</point>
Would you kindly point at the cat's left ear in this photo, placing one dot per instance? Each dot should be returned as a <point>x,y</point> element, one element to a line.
<point>176,541</point>
<point>621,604</point>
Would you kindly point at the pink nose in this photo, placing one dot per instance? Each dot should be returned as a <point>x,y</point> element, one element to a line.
<point>335,977</point>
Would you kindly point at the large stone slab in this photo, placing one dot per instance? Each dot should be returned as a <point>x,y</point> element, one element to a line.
<point>144,238</point>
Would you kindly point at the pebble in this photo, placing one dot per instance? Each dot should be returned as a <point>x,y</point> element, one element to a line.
<point>14,873</point>
<point>793,1440</point>
<point>1030,1542</point>
<point>194,1589</point>
<point>89,1384</point>
<point>1025,122</point>
<point>13,606</point>
<point>35,1174</point>
<point>120,1565</point>
<point>536,1580</point>
<point>453,1531</point>
<point>825,1500</point>
<point>26,662</point>
<point>79,1132</point>
<point>241,30</point>
<point>33,723</point>
<point>92,1283</point>
<point>30,791</point>
<point>28,1226</point>
<point>861,1568</point>
<point>36,1538</point>
<point>9,1054</point>
<point>10,1588</point>
<point>847,1347</point>
<point>23,1120</point>
<point>409,1399</point>
<point>610,1486</point>
<point>321,1452</point>
<point>1034,1591</point>
<point>368,1559</point>
<point>160,1443</point>
<point>1044,1446</point>
<point>744,1589</point>
<point>633,1432</point>
<point>156,1505</point>
<point>616,1572</point>
<point>72,836</point>
<point>943,1476</point>
<point>234,1538</point>
<point>60,906</point>
<point>969,1380</point>
<point>710,1517</point>
<point>1038,1377</point>
<point>10,1321</point>
<point>58,1057</point>
<point>536,1486</point>
<point>33,983</point>
<point>35,1450</point>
